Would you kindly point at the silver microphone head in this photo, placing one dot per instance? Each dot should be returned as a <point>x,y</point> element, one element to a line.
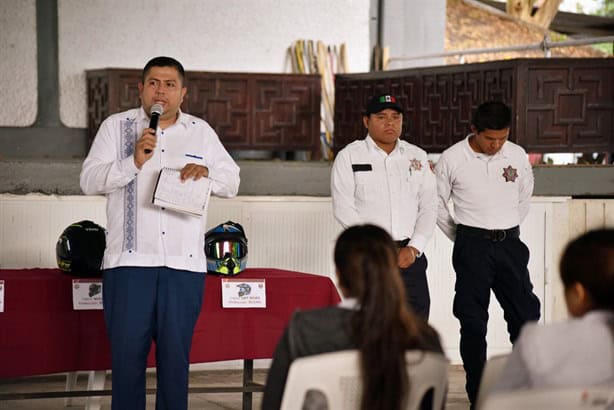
<point>156,109</point>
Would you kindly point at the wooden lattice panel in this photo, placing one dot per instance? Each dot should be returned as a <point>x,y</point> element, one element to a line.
<point>249,111</point>
<point>570,106</point>
<point>559,105</point>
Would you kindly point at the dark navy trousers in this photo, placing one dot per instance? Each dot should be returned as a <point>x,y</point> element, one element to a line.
<point>142,305</point>
<point>482,264</point>
<point>417,288</point>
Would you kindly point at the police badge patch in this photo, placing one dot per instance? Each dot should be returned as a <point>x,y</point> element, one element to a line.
<point>415,164</point>
<point>510,174</point>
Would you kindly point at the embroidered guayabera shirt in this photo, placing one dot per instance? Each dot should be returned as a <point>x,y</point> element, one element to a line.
<point>395,191</point>
<point>487,191</point>
<point>138,232</point>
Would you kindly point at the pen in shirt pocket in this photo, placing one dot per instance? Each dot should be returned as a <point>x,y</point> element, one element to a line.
<point>194,156</point>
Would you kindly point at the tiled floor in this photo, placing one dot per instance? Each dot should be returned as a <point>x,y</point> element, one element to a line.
<point>457,400</point>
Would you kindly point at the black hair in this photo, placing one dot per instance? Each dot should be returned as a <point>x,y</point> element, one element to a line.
<point>164,62</point>
<point>492,115</point>
<point>589,260</point>
<point>384,326</point>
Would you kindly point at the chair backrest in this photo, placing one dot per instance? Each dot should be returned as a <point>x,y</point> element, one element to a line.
<point>568,398</point>
<point>337,376</point>
<point>492,370</point>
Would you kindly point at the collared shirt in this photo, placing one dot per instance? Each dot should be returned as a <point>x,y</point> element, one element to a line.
<point>395,191</point>
<point>576,352</point>
<point>138,232</point>
<point>487,191</point>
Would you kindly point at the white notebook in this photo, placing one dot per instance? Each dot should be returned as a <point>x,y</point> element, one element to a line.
<point>189,196</point>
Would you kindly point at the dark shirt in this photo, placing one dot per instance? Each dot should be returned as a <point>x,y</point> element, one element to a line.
<point>320,331</point>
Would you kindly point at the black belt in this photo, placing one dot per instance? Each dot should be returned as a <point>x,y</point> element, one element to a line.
<point>495,235</point>
<point>402,243</point>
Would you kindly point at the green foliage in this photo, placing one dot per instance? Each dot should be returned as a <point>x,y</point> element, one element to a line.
<point>605,47</point>
<point>604,7</point>
<point>607,10</point>
<point>554,36</point>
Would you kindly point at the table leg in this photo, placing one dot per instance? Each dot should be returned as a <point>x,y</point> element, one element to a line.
<point>71,382</point>
<point>95,381</point>
<point>248,379</point>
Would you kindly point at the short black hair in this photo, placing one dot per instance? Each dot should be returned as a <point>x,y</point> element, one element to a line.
<point>589,260</point>
<point>492,115</point>
<point>164,62</point>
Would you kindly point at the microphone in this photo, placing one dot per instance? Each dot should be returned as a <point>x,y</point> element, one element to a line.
<point>154,114</point>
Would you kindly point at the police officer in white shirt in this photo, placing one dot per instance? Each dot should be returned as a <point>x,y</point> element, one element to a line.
<point>388,182</point>
<point>490,182</point>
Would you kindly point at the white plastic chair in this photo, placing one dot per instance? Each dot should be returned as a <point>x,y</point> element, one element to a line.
<point>569,398</point>
<point>492,370</point>
<point>337,376</point>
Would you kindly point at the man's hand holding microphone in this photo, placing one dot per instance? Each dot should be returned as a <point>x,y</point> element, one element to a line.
<point>146,144</point>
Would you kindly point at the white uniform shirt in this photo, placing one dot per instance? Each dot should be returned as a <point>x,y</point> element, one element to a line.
<point>395,191</point>
<point>488,191</point>
<point>139,233</point>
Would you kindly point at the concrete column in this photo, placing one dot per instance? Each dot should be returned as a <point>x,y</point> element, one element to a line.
<point>414,27</point>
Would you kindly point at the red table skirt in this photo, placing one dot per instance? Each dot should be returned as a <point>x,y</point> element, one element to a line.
<point>40,333</point>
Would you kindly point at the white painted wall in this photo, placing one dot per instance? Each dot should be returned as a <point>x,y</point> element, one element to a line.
<point>18,74</point>
<point>209,35</point>
<point>414,28</point>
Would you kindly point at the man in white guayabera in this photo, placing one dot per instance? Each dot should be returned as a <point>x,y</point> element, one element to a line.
<point>154,263</point>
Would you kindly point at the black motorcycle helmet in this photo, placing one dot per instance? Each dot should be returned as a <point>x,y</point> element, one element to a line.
<point>80,249</point>
<point>226,249</point>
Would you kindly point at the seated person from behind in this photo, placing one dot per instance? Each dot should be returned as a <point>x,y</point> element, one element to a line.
<point>580,351</point>
<point>373,318</point>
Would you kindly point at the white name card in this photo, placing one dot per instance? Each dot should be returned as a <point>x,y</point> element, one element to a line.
<point>240,293</point>
<point>87,294</point>
<point>1,296</point>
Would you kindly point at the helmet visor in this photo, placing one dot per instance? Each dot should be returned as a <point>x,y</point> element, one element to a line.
<point>224,248</point>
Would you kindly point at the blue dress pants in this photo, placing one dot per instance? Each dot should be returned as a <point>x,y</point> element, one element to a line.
<point>482,264</point>
<point>145,304</point>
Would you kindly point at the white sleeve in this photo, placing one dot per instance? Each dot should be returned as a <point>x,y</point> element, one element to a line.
<point>444,190</point>
<point>342,189</point>
<point>427,210</point>
<point>103,171</point>
<point>526,190</point>
<point>223,170</point>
